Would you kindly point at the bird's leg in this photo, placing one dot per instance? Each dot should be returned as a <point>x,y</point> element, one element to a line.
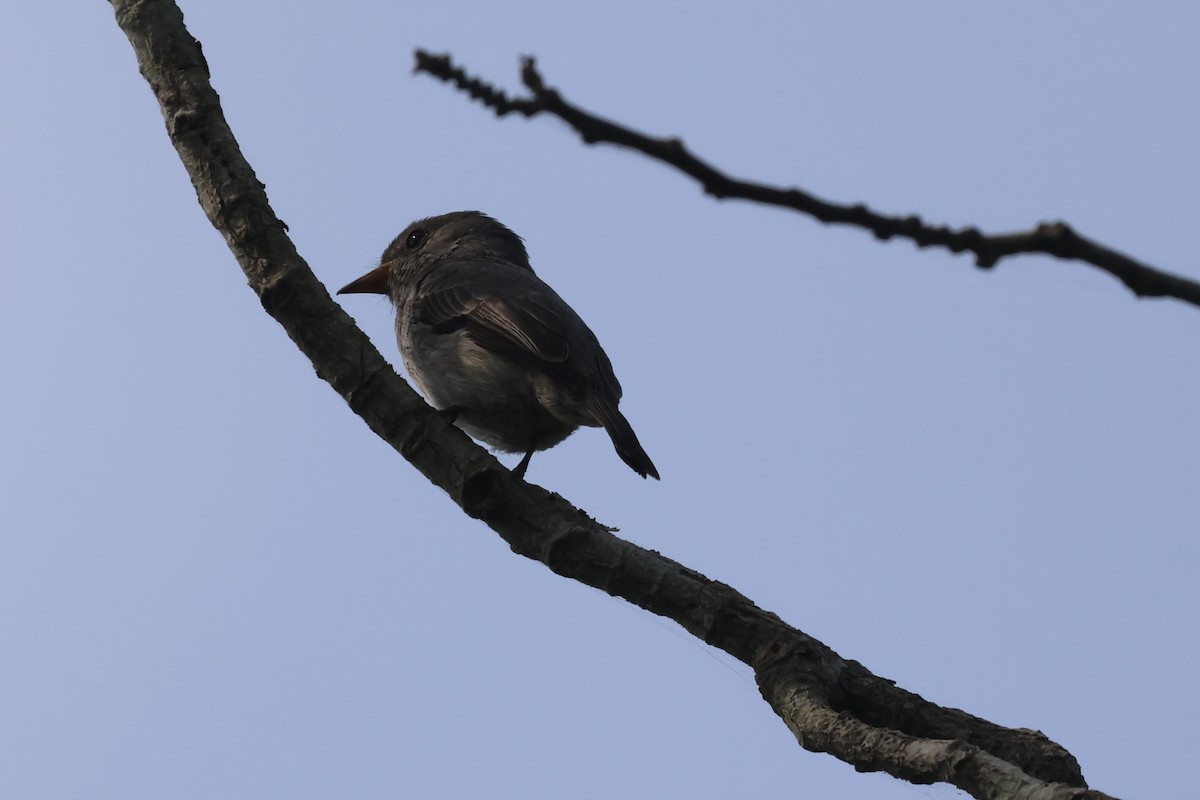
<point>451,413</point>
<point>519,469</point>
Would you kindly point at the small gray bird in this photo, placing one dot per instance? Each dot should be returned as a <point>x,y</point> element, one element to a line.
<point>487,341</point>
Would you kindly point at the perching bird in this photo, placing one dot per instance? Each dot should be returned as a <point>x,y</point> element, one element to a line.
<point>486,340</point>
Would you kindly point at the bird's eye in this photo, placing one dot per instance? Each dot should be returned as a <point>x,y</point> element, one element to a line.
<point>415,239</point>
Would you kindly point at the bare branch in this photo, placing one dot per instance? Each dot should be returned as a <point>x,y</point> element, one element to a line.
<point>1050,238</point>
<point>832,705</point>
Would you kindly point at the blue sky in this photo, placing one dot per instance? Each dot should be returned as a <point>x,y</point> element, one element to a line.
<point>215,582</point>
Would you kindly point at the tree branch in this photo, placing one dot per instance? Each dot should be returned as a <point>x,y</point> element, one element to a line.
<point>1057,239</point>
<point>832,705</point>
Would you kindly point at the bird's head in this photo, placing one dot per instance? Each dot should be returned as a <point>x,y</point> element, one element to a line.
<point>427,242</point>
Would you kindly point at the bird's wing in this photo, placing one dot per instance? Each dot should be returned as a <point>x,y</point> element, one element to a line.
<point>520,325</point>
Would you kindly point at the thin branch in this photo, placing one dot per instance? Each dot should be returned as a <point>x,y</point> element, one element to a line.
<point>1050,238</point>
<point>832,705</point>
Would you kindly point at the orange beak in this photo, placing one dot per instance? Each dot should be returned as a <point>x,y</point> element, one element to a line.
<point>374,282</point>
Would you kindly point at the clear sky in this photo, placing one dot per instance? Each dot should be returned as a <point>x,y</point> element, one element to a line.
<point>215,582</point>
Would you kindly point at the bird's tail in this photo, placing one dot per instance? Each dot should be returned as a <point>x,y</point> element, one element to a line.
<point>623,438</point>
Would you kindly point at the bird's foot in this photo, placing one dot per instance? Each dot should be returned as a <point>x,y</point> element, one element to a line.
<point>519,470</point>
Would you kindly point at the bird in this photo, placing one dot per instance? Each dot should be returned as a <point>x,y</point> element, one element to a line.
<point>492,345</point>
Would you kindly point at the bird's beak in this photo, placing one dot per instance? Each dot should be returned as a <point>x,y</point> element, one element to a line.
<point>374,282</point>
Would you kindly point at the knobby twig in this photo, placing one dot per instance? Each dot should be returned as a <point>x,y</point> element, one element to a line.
<point>832,705</point>
<point>1051,238</point>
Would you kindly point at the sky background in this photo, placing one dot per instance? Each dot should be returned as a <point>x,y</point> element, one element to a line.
<point>215,582</point>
